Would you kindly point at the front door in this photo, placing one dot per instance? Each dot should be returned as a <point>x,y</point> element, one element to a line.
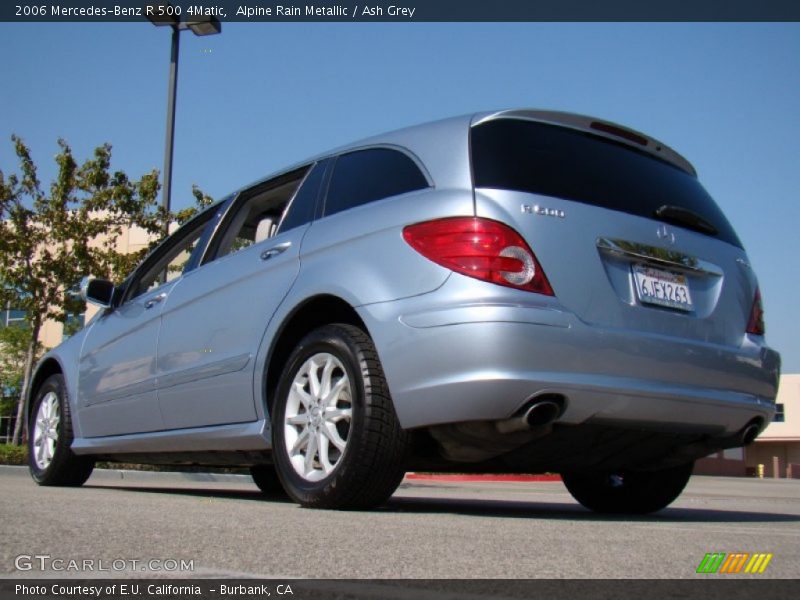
<point>117,386</point>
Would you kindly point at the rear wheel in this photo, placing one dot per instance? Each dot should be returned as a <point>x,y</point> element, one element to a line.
<point>628,492</point>
<point>336,440</point>
<point>50,458</point>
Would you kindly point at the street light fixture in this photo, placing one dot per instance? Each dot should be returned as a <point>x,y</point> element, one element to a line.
<point>161,15</point>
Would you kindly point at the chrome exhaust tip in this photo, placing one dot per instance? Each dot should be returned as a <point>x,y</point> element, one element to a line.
<point>542,413</point>
<point>750,433</point>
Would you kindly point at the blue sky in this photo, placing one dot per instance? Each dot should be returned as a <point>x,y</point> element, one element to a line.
<point>264,95</point>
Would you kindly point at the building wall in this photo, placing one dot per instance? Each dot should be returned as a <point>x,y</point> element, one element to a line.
<point>780,440</point>
<point>789,397</point>
<point>729,462</point>
<point>132,239</point>
<point>765,453</point>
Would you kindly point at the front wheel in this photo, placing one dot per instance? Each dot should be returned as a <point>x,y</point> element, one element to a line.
<point>50,458</point>
<point>337,442</point>
<point>628,492</point>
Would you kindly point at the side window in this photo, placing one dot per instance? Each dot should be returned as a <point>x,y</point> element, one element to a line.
<point>257,213</point>
<point>301,209</point>
<point>368,175</point>
<point>177,251</point>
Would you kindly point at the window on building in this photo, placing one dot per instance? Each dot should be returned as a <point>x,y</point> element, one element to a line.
<point>780,416</point>
<point>11,316</point>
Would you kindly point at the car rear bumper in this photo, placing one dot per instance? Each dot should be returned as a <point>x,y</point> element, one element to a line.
<point>485,359</point>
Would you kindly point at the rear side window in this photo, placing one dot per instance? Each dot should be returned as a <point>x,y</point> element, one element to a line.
<point>301,210</point>
<point>368,175</point>
<point>556,161</point>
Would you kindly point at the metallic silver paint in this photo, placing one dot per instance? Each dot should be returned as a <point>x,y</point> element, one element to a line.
<point>252,436</point>
<point>186,375</point>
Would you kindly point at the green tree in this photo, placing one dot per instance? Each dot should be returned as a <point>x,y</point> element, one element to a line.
<point>201,201</point>
<point>50,239</point>
<point>14,341</point>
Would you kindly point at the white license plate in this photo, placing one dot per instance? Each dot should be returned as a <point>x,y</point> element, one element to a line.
<point>664,288</point>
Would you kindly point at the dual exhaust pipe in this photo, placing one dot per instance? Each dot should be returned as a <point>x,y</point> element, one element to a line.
<point>541,412</point>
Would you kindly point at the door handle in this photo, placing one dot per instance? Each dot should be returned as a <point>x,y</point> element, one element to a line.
<point>275,250</point>
<point>155,300</point>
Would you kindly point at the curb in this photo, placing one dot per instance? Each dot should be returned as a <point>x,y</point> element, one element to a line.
<point>480,478</point>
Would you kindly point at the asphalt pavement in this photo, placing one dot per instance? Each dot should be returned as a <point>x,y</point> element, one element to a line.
<point>221,526</point>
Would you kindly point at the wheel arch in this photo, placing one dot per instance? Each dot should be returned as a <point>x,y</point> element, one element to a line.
<point>49,366</point>
<point>310,314</point>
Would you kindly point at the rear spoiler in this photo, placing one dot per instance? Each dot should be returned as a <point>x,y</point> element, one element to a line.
<point>598,127</point>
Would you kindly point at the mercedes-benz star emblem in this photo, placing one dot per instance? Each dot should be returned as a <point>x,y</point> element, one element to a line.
<point>665,234</point>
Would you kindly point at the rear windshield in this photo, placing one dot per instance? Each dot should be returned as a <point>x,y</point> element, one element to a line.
<point>556,161</point>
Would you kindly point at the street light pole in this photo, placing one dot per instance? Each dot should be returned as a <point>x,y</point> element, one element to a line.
<point>160,15</point>
<point>173,90</point>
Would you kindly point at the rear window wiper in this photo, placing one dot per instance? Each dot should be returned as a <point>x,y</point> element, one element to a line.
<point>677,215</point>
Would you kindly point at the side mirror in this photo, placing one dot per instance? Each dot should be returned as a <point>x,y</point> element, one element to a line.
<point>97,291</point>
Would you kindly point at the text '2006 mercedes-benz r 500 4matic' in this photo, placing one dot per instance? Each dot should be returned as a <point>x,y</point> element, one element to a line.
<point>517,291</point>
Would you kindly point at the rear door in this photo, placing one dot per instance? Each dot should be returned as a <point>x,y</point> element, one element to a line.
<point>627,240</point>
<point>215,319</point>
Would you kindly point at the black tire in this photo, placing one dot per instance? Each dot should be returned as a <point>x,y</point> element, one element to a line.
<point>63,468</point>
<point>267,480</point>
<point>370,467</point>
<point>628,492</point>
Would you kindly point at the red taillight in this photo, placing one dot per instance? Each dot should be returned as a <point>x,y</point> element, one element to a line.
<point>480,248</point>
<point>756,323</point>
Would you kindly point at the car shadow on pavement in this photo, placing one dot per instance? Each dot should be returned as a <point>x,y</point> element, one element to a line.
<point>254,495</point>
<point>515,509</point>
<point>476,507</point>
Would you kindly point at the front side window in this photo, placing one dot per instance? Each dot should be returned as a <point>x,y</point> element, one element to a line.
<point>170,259</point>
<point>369,175</point>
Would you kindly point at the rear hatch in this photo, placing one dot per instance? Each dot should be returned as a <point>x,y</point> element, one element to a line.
<point>627,236</point>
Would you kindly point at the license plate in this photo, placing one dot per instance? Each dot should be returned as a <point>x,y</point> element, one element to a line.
<point>664,288</point>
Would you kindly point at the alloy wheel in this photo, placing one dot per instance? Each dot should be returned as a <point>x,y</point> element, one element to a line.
<point>45,433</point>
<point>318,415</point>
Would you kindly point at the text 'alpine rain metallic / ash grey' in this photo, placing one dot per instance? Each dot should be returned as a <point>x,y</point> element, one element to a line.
<point>518,291</point>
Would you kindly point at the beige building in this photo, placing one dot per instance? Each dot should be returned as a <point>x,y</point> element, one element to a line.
<point>778,448</point>
<point>52,332</point>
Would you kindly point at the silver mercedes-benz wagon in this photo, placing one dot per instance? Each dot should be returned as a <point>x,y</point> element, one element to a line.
<point>516,291</point>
